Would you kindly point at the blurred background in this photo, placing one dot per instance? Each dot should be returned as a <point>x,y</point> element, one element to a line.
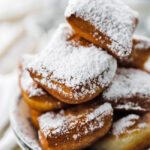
<point>26,26</point>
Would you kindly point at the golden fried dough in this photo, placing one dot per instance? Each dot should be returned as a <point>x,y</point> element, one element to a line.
<point>71,69</point>
<point>76,127</point>
<point>140,54</point>
<point>35,96</point>
<point>96,21</point>
<point>130,90</point>
<point>129,133</point>
<point>34,117</point>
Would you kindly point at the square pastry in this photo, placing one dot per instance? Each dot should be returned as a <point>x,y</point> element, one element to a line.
<point>106,23</point>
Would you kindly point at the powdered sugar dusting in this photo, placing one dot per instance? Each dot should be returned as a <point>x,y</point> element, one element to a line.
<point>143,42</point>
<point>111,17</point>
<point>142,125</point>
<point>123,124</point>
<point>130,106</point>
<point>66,63</point>
<point>128,124</point>
<point>27,83</point>
<point>52,123</point>
<point>127,84</point>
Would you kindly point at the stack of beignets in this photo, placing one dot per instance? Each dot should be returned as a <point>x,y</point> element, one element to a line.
<point>74,88</point>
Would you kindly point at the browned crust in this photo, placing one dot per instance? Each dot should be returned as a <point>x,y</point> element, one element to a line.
<point>43,141</point>
<point>86,30</point>
<point>34,117</point>
<point>66,141</point>
<point>42,103</point>
<point>138,56</point>
<point>135,103</point>
<point>133,138</point>
<point>69,97</point>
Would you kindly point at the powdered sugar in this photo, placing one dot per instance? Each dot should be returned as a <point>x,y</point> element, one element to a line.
<point>130,106</point>
<point>123,124</point>
<point>143,42</point>
<point>27,83</point>
<point>142,125</point>
<point>127,84</point>
<point>111,17</point>
<point>52,123</point>
<point>66,63</point>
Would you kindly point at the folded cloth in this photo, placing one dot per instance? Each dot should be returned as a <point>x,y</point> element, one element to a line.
<point>8,142</point>
<point>8,86</point>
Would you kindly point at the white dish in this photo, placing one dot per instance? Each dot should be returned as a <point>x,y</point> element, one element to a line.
<point>22,126</point>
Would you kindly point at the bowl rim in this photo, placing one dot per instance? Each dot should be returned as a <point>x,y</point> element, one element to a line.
<point>21,124</point>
